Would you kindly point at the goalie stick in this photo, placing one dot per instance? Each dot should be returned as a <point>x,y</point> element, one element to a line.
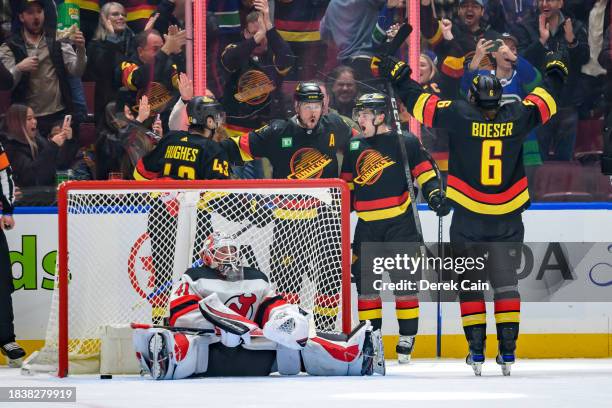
<point>188,330</point>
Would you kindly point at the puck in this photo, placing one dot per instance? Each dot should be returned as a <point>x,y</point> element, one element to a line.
<point>106,376</point>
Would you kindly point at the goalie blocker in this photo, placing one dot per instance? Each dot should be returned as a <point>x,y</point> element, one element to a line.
<point>253,330</point>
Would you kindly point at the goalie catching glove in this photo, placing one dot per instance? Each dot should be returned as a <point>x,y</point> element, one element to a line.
<point>288,326</point>
<point>389,67</point>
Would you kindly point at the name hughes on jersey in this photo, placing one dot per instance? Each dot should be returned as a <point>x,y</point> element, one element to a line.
<point>492,129</point>
<point>181,153</point>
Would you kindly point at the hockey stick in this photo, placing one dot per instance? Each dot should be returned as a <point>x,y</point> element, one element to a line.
<point>401,36</point>
<point>441,256</point>
<point>188,330</point>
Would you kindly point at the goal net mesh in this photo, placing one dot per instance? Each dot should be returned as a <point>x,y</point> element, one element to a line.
<point>126,249</point>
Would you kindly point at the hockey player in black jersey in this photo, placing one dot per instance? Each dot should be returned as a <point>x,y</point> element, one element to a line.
<point>374,169</point>
<point>486,186</point>
<point>191,155</point>
<point>245,328</point>
<point>180,155</point>
<point>302,147</point>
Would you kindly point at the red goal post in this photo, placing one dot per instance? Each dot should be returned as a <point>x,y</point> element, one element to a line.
<point>99,220</point>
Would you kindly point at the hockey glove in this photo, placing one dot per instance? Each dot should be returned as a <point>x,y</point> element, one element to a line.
<point>556,65</point>
<point>438,203</point>
<point>389,67</point>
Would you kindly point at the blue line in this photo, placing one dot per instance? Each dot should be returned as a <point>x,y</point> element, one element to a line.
<point>421,207</point>
<point>35,210</point>
<point>553,206</point>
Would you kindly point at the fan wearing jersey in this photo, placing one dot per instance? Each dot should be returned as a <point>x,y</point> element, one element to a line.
<point>253,330</point>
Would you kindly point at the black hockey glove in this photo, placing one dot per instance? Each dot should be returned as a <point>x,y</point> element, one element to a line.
<point>438,203</point>
<point>389,67</point>
<point>556,64</point>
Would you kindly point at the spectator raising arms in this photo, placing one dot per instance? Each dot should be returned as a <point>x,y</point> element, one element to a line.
<point>551,30</point>
<point>40,66</point>
<point>153,70</point>
<point>255,68</point>
<point>33,158</point>
<point>351,31</point>
<point>457,47</point>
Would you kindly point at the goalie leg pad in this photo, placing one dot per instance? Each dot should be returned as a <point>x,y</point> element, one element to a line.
<point>166,355</point>
<point>288,361</point>
<point>324,355</point>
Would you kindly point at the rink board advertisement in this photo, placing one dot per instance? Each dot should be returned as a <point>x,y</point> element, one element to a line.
<point>569,270</point>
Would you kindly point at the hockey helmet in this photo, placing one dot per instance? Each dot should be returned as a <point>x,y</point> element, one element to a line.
<point>201,108</point>
<point>485,91</point>
<point>308,92</point>
<point>376,102</point>
<point>221,252</point>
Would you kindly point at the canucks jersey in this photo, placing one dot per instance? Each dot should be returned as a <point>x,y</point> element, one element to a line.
<point>251,297</point>
<point>486,174</point>
<point>296,152</point>
<point>375,173</point>
<point>184,156</point>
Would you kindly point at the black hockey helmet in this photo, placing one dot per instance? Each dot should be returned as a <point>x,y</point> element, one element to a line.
<point>200,108</point>
<point>376,102</point>
<point>485,91</point>
<point>308,92</point>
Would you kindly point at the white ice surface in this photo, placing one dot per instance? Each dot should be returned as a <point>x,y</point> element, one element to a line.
<point>424,383</point>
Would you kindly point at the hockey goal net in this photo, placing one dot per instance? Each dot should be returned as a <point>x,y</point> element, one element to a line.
<point>123,245</point>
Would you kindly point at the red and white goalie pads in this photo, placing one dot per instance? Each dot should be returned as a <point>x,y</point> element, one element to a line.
<point>334,354</point>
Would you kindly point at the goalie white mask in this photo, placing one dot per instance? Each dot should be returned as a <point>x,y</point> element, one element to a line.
<point>221,252</point>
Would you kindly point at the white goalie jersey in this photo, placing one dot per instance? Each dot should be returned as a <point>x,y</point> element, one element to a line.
<point>250,297</point>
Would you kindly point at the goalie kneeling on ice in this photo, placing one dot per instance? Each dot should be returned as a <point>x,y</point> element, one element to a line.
<point>260,335</point>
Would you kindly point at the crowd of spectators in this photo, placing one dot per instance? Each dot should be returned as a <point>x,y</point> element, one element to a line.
<point>93,102</point>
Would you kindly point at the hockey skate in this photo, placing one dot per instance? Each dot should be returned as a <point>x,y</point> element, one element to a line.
<point>158,356</point>
<point>14,353</point>
<point>507,346</point>
<point>373,353</point>
<point>404,349</point>
<point>476,356</point>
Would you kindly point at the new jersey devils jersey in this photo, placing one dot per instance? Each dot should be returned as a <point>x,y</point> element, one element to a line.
<point>251,297</point>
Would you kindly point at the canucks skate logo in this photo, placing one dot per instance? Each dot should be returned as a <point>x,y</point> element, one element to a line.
<point>242,304</point>
<point>307,163</point>
<point>370,166</point>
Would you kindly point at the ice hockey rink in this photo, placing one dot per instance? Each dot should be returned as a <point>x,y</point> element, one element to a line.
<point>423,383</point>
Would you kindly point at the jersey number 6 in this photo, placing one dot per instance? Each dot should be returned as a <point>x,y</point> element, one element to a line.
<point>491,164</point>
